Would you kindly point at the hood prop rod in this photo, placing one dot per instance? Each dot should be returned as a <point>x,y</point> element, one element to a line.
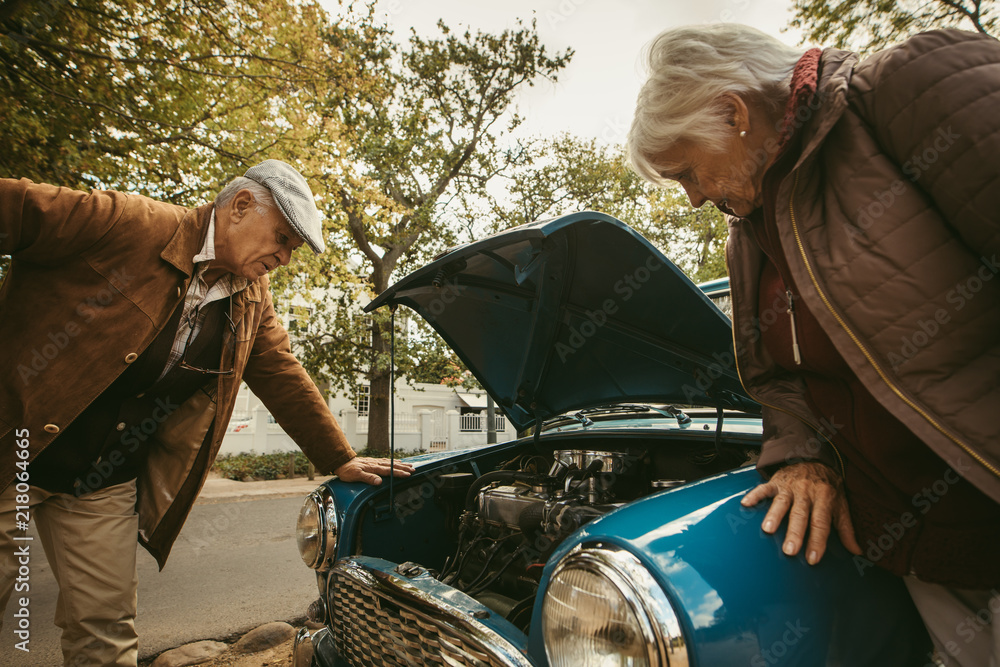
<point>392,405</point>
<point>383,512</point>
<point>537,432</point>
<point>718,430</point>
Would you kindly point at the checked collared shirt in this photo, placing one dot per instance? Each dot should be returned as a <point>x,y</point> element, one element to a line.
<point>199,295</point>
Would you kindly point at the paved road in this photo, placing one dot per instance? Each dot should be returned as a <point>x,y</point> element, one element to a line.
<point>235,566</point>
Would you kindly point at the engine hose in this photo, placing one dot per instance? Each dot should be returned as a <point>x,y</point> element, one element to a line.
<point>450,562</point>
<point>456,575</point>
<point>496,575</point>
<point>489,561</point>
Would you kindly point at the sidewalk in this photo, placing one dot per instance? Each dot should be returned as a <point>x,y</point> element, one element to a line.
<point>219,490</point>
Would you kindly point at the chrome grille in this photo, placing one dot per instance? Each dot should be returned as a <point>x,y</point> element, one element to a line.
<point>380,619</point>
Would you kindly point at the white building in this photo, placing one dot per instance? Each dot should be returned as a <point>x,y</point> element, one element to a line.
<point>428,417</point>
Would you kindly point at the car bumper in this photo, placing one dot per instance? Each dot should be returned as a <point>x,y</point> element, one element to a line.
<point>385,617</point>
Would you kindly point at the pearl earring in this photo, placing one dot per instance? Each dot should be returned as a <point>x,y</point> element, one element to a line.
<point>743,134</point>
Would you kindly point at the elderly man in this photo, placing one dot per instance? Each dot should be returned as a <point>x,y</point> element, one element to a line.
<point>127,325</point>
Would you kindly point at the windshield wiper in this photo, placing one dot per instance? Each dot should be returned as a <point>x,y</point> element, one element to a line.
<point>583,416</point>
<point>667,411</point>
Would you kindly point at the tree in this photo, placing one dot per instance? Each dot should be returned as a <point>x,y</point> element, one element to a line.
<point>168,99</point>
<point>427,133</point>
<point>568,174</point>
<point>870,25</point>
<point>694,239</point>
<point>173,98</point>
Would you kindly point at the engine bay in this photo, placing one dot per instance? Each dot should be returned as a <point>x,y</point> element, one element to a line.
<point>507,522</point>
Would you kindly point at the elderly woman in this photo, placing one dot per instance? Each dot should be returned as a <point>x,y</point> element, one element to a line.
<point>863,202</point>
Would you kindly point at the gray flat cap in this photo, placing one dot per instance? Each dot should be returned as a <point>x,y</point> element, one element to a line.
<point>294,198</point>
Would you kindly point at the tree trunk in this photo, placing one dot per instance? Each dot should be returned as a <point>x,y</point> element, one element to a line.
<point>379,373</point>
<point>379,380</point>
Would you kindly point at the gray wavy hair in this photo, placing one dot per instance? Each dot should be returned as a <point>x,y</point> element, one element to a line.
<point>262,196</point>
<point>689,69</point>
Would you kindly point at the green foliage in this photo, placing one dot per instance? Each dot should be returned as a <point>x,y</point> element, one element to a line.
<point>169,99</point>
<point>694,239</point>
<point>259,466</point>
<point>384,453</point>
<point>406,144</point>
<point>870,25</point>
<point>568,174</point>
<point>428,132</point>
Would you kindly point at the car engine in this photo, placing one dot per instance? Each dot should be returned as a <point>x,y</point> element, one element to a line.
<point>514,518</point>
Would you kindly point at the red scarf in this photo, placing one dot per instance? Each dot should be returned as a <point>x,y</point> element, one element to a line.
<point>805,79</point>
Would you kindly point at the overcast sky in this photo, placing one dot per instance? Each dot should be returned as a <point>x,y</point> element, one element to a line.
<point>595,94</point>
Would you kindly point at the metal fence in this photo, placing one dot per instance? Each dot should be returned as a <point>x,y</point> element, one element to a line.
<point>475,422</point>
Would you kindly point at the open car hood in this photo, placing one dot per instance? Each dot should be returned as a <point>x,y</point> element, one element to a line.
<point>574,312</point>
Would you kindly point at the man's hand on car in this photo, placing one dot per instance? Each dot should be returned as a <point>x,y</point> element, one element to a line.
<point>368,470</point>
<point>812,495</point>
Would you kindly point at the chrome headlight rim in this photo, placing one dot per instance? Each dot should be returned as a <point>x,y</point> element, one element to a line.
<point>328,528</point>
<point>644,595</point>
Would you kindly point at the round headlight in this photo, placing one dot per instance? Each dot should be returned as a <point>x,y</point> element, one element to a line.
<point>316,529</point>
<point>603,608</point>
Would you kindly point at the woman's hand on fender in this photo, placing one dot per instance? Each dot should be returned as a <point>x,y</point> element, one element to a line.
<point>812,495</point>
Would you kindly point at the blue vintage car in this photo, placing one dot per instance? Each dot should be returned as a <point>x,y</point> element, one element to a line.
<point>614,534</point>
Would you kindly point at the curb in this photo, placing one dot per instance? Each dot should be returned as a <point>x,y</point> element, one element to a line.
<point>218,490</point>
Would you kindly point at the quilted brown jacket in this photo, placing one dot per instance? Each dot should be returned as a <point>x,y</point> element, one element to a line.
<point>93,279</point>
<point>890,222</point>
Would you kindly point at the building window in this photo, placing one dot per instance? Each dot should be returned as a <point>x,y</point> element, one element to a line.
<point>362,398</point>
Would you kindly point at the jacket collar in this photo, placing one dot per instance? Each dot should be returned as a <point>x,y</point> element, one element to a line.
<point>188,239</point>
<point>827,106</point>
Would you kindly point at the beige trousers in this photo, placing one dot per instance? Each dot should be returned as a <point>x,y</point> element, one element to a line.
<point>90,544</point>
<point>960,622</point>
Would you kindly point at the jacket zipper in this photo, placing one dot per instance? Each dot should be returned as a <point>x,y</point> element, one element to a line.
<point>817,429</point>
<point>791,319</point>
<point>871,359</point>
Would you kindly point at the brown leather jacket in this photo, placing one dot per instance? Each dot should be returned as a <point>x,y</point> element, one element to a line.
<point>93,279</point>
<point>890,222</point>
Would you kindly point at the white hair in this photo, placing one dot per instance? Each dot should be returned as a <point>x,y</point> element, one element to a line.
<point>690,68</point>
<point>262,196</point>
